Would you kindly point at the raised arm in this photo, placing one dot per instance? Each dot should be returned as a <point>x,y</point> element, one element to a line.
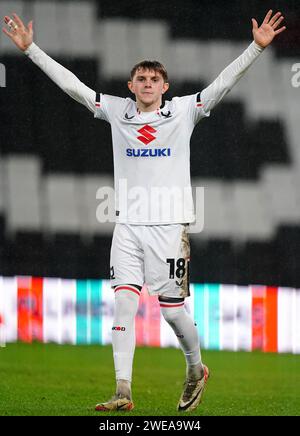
<point>263,36</point>
<point>22,36</point>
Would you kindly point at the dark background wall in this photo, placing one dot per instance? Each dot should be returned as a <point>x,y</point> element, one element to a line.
<point>38,120</point>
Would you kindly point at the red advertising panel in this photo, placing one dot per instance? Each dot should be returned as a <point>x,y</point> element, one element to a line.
<point>271,321</point>
<point>30,309</point>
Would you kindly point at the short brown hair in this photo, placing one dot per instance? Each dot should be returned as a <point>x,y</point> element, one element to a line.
<point>152,66</point>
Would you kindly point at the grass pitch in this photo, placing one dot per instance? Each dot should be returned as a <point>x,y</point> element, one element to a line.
<point>50,379</point>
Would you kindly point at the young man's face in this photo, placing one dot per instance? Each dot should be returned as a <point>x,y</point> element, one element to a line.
<point>148,87</point>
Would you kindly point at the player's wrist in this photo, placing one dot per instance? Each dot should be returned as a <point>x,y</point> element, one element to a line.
<point>29,48</point>
<point>256,45</point>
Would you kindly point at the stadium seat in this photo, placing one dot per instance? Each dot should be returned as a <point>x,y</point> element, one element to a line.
<point>250,215</point>
<point>82,25</point>
<point>220,56</point>
<point>213,262</point>
<point>281,189</point>
<point>61,204</point>
<point>216,210</point>
<point>114,40</point>
<point>2,231</point>
<point>25,253</point>
<point>2,215</point>
<point>224,154</point>
<point>185,61</point>
<point>23,206</point>
<point>259,259</point>
<point>89,198</point>
<point>19,136</point>
<point>271,148</point>
<point>63,254</point>
<point>288,252</point>
<point>2,186</point>
<point>46,25</point>
<point>94,258</point>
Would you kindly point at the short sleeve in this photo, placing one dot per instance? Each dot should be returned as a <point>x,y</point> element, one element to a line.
<point>107,106</point>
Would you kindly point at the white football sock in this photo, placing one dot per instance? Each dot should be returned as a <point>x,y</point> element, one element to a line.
<point>183,326</point>
<point>123,389</point>
<point>123,332</point>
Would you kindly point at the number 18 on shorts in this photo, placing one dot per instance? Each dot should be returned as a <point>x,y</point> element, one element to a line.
<point>155,255</point>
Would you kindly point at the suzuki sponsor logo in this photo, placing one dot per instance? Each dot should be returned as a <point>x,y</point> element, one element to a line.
<point>146,136</point>
<point>148,152</point>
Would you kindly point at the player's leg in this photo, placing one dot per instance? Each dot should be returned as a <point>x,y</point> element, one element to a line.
<point>174,312</point>
<point>126,281</point>
<point>180,321</point>
<point>167,275</point>
<point>123,335</point>
<point>123,341</point>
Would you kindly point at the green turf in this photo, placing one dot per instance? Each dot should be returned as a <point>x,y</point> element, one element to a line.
<point>50,379</point>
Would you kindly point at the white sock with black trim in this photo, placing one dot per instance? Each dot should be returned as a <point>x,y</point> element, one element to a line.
<point>183,326</point>
<point>123,334</point>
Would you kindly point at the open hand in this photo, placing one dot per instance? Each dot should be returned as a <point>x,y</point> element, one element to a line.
<point>21,35</point>
<point>265,34</point>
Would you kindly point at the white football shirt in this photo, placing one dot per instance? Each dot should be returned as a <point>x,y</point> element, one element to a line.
<point>152,158</point>
<point>151,149</point>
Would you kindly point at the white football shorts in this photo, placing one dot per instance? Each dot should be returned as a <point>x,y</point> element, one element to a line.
<point>155,255</point>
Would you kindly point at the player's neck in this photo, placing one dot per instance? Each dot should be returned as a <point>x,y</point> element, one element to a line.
<point>142,107</point>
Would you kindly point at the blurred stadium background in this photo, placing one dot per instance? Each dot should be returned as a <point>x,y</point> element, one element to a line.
<point>54,255</point>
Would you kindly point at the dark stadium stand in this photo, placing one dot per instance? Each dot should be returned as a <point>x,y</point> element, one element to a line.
<point>260,259</point>
<point>18,106</point>
<point>66,137</point>
<point>62,255</point>
<point>63,133</point>
<point>26,253</point>
<point>288,246</point>
<point>2,239</point>
<point>226,147</point>
<point>41,120</point>
<point>210,262</point>
<point>198,23</point>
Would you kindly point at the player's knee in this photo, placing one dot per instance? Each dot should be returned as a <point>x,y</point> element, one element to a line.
<point>126,302</point>
<point>126,305</point>
<point>171,316</point>
<point>171,308</point>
